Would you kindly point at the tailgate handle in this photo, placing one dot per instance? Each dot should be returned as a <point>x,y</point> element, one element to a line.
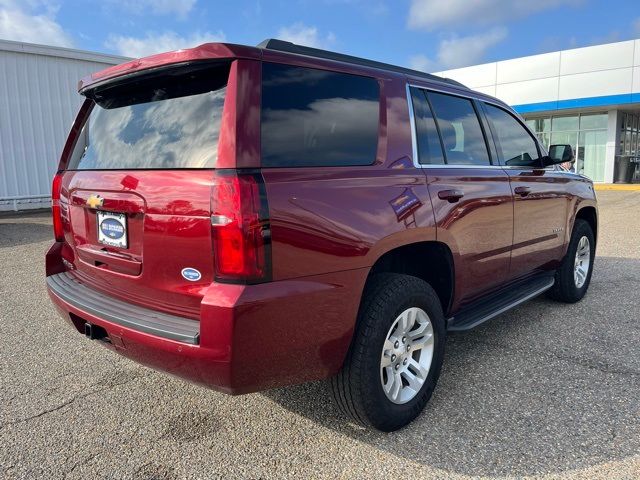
<point>112,261</point>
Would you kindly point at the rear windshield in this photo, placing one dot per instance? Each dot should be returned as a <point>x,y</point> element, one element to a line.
<point>168,120</point>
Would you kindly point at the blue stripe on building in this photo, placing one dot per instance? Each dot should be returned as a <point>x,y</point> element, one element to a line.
<point>626,98</point>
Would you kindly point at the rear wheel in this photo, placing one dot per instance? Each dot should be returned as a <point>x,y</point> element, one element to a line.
<point>395,358</point>
<point>574,275</point>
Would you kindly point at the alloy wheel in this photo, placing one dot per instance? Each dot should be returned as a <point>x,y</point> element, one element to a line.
<point>407,355</point>
<point>582,262</point>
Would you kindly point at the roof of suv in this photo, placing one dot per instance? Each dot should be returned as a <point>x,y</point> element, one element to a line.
<point>229,50</point>
<point>289,47</point>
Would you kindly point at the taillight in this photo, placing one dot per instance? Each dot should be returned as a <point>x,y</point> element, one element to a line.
<point>240,228</point>
<point>58,230</point>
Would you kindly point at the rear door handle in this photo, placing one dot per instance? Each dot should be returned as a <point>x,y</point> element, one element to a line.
<point>451,196</point>
<point>522,191</point>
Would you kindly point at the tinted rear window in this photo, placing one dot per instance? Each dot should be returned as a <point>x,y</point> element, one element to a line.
<point>168,121</point>
<point>316,117</point>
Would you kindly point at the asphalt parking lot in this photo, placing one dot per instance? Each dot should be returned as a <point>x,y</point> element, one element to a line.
<point>544,390</point>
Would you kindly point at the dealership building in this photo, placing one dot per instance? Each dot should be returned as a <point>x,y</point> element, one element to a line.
<point>587,97</point>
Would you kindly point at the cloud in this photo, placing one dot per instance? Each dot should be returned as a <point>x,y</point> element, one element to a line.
<point>433,14</point>
<point>302,34</point>
<point>456,51</point>
<point>159,42</point>
<point>421,62</point>
<point>181,8</point>
<point>32,22</point>
<point>464,51</point>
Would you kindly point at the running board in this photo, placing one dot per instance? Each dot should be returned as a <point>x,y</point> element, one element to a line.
<point>485,309</point>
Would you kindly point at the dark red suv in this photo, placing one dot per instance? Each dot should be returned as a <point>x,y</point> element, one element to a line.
<point>252,217</point>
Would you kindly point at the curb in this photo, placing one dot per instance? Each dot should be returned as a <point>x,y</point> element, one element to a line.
<point>617,186</point>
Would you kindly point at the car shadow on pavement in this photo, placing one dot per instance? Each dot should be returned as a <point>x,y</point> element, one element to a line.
<point>545,388</point>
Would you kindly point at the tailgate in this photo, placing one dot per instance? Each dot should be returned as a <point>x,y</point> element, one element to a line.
<point>138,184</point>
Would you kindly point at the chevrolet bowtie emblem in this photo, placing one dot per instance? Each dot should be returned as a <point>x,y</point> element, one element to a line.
<point>95,201</point>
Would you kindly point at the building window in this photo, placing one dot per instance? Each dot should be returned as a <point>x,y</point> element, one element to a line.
<point>586,133</point>
<point>630,135</point>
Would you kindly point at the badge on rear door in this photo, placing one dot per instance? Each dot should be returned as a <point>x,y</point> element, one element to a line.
<point>112,229</point>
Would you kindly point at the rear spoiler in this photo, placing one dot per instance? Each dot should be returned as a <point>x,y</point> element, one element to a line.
<point>206,51</point>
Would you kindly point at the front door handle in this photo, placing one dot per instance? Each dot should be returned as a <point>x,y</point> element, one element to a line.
<point>522,191</point>
<point>451,196</point>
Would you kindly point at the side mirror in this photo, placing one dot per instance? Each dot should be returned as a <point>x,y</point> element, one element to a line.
<point>559,154</point>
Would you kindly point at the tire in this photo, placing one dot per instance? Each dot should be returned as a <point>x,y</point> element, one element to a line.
<point>567,288</point>
<point>358,388</point>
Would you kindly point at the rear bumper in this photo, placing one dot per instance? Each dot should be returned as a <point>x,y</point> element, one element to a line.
<point>249,338</point>
<point>206,366</point>
<point>66,287</point>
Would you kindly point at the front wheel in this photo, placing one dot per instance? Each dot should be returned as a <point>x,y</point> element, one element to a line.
<point>395,358</point>
<point>574,275</point>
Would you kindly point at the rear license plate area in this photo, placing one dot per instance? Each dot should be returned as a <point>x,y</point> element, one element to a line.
<point>112,229</point>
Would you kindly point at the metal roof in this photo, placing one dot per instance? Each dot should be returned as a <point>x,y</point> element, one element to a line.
<point>60,52</point>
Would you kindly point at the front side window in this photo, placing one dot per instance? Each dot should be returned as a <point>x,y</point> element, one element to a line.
<point>313,117</point>
<point>168,121</point>
<point>518,147</point>
<point>460,130</point>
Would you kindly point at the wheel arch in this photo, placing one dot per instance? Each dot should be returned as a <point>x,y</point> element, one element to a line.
<point>590,215</point>
<point>431,261</point>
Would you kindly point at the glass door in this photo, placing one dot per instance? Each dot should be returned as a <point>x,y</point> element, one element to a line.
<point>592,151</point>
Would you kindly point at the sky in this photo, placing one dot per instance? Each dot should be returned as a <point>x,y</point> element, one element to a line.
<point>428,35</point>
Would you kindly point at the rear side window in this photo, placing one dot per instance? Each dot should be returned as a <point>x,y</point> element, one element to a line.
<point>460,130</point>
<point>517,145</point>
<point>170,120</point>
<point>429,146</point>
<point>316,117</point>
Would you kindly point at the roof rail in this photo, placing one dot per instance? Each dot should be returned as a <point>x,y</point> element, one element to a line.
<point>283,46</point>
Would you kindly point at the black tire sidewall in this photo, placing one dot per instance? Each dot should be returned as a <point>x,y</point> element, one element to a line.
<point>382,412</point>
<point>567,288</point>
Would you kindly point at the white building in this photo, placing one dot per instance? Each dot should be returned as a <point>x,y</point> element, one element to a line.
<point>38,102</point>
<point>587,97</point>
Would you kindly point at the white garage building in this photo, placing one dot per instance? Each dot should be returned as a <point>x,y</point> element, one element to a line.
<point>587,97</point>
<point>38,102</point>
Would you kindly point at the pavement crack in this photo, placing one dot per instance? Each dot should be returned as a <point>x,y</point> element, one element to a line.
<point>38,415</point>
<point>600,366</point>
<point>80,462</point>
<point>68,402</point>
